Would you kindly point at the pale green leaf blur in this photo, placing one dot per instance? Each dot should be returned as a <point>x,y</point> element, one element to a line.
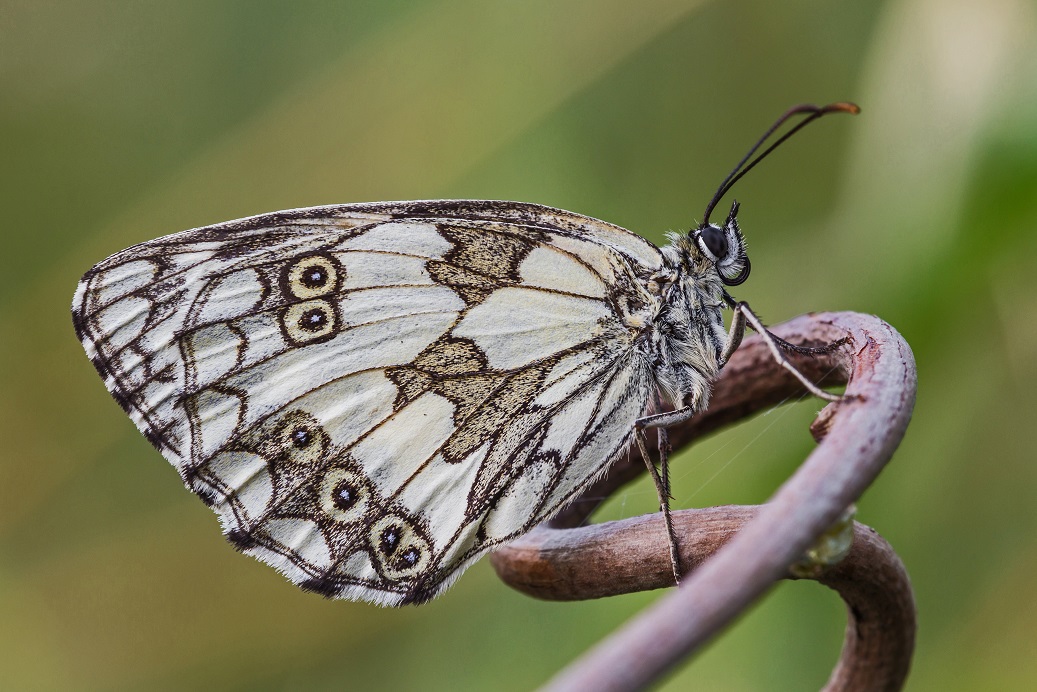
<point>120,122</point>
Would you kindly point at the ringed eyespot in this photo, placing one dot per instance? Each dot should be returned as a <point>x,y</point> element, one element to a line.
<point>344,495</point>
<point>401,550</point>
<point>295,438</point>
<point>313,276</point>
<point>310,321</point>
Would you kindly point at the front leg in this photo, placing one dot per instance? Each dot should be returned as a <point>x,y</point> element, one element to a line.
<point>666,418</point>
<point>742,314</point>
<point>734,335</point>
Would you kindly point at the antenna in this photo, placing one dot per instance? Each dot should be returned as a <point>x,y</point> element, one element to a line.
<point>813,113</point>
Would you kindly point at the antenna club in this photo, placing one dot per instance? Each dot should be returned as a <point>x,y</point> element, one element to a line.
<point>841,107</point>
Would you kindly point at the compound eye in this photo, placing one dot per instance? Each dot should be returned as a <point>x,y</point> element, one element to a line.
<point>713,242</point>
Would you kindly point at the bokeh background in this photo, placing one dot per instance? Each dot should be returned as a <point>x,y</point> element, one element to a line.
<point>120,122</point>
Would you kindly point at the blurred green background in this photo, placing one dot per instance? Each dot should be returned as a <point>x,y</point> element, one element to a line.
<point>120,122</point>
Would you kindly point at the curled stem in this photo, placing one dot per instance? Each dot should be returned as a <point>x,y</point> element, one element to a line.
<point>737,553</point>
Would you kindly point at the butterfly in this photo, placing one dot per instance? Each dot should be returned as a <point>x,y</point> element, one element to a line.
<point>372,396</point>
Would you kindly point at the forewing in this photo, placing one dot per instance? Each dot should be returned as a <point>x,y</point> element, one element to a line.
<point>371,396</point>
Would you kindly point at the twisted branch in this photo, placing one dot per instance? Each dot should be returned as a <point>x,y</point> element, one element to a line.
<point>737,553</point>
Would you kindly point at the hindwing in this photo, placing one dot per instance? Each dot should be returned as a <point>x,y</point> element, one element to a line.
<point>371,396</point>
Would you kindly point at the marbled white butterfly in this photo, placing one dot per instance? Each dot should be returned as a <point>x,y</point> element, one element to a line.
<point>371,396</point>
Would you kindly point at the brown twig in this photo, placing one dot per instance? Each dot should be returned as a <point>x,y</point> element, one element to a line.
<point>737,553</point>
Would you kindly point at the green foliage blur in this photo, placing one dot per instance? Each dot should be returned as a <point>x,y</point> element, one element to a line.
<point>121,122</point>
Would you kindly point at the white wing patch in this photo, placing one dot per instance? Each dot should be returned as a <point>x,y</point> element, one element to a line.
<point>567,424</point>
<point>398,449</point>
<point>546,267</point>
<point>517,326</point>
<point>349,407</point>
<point>567,376</point>
<point>124,279</point>
<point>123,321</point>
<point>380,304</point>
<point>379,269</point>
<point>372,396</point>
<point>425,492</point>
<point>401,238</point>
<point>229,296</point>
<point>245,475</point>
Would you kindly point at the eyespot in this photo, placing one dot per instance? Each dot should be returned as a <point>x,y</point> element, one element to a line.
<point>401,550</point>
<point>344,495</point>
<point>389,540</point>
<point>297,438</point>
<point>301,437</point>
<point>309,321</point>
<point>409,559</point>
<point>313,276</point>
<point>314,319</point>
<point>712,242</point>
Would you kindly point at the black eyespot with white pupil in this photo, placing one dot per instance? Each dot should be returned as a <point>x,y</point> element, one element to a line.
<point>314,277</point>
<point>309,321</point>
<point>314,319</point>
<point>345,496</point>
<point>400,549</point>
<point>390,540</point>
<point>410,557</point>
<point>301,437</point>
<point>713,242</point>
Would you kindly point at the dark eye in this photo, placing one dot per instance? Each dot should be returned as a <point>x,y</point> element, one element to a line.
<point>713,240</point>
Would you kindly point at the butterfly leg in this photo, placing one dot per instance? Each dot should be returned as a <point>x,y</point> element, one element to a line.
<point>660,421</point>
<point>661,487</point>
<point>734,335</point>
<point>743,314</point>
<point>663,436</point>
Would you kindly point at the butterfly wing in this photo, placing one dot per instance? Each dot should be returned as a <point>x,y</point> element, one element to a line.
<point>372,396</point>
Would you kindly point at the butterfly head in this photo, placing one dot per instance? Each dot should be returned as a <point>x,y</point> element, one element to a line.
<point>725,248</point>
